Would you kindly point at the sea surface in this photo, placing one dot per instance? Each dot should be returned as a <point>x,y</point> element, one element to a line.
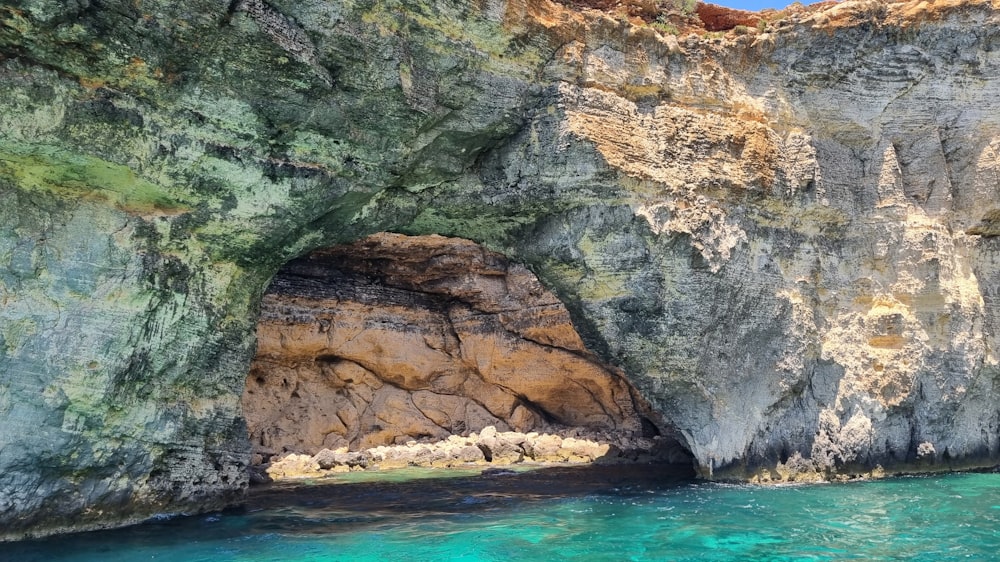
<point>598,513</point>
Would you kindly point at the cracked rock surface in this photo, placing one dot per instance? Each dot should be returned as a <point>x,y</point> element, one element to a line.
<point>398,338</point>
<point>786,238</point>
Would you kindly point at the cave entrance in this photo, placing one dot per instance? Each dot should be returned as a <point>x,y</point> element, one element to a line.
<point>395,340</point>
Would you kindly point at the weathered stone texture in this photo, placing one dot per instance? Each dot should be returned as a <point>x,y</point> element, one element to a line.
<point>786,239</point>
<point>396,338</point>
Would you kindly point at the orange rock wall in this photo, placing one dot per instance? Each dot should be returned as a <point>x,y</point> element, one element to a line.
<point>398,338</point>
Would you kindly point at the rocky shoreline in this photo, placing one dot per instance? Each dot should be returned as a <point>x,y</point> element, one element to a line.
<point>487,448</point>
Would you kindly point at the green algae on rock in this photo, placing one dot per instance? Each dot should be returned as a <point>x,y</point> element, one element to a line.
<point>778,235</point>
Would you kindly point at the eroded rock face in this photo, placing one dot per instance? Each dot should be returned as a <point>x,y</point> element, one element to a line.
<point>828,293</point>
<point>786,240</point>
<point>398,338</point>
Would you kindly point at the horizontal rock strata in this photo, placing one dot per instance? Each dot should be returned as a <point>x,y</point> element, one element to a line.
<point>399,338</point>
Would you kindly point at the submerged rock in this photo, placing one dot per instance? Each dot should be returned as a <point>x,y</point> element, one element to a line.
<point>498,472</point>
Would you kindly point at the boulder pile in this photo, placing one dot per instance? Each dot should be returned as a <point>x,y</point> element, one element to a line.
<point>488,447</point>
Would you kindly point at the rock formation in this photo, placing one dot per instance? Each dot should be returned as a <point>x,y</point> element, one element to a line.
<point>784,235</point>
<point>397,338</point>
<point>486,448</point>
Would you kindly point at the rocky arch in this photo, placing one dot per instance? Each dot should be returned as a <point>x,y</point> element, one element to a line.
<point>395,338</point>
<point>728,219</point>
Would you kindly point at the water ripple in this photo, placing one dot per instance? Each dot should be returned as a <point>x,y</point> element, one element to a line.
<point>612,513</point>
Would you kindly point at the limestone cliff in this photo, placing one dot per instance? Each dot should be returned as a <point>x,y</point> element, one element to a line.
<point>397,338</point>
<point>784,235</point>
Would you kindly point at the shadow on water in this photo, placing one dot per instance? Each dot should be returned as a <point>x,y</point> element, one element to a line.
<point>599,514</point>
<point>361,501</point>
<point>460,492</point>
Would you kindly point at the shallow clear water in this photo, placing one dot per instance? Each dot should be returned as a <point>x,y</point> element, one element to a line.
<point>610,513</point>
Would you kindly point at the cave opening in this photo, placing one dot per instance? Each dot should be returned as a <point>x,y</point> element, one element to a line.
<point>402,350</point>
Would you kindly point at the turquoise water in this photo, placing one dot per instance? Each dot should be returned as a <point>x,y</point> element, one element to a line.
<point>611,513</point>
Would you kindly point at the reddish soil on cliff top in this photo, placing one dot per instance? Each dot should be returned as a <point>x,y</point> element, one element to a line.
<point>687,15</point>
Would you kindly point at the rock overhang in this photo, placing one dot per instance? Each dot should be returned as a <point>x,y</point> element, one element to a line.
<point>404,340</point>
